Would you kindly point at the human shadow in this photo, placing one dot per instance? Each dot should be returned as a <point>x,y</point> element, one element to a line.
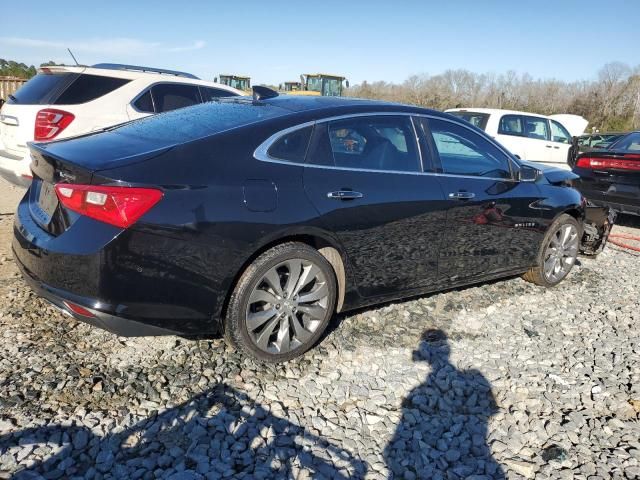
<point>443,430</point>
<point>220,433</point>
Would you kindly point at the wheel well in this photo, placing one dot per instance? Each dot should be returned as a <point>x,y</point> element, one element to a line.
<point>575,213</point>
<point>325,248</point>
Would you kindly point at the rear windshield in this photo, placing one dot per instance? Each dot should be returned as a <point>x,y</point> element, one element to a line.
<point>629,143</point>
<point>65,89</point>
<point>42,88</point>
<point>199,121</point>
<point>474,118</point>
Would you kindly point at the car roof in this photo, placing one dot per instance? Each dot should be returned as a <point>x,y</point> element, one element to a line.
<point>491,111</point>
<point>307,103</point>
<point>132,73</point>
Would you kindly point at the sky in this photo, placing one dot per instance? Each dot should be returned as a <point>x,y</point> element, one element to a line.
<point>274,41</point>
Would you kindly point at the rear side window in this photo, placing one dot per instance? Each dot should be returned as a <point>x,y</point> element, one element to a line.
<point>171,96</point>
<point>144,103</point>
<point>89,87</point>
<point>42,89</point>
<point>209,94</point>
<point>292,147</point>
<point>464,152</point>
<point>511,125</point>
<point>536,128</point>
<point>476,119</point>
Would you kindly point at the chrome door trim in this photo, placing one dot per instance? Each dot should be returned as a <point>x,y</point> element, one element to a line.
<point>261,153</point>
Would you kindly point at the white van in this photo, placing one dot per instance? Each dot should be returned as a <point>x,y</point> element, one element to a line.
<point>528,135</point>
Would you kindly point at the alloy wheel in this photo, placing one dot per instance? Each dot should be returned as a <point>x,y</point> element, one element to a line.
<point>287,306</point>
<point>561,253</point>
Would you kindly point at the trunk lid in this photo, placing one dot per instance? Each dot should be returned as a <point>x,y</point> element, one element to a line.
<point>69,162</point>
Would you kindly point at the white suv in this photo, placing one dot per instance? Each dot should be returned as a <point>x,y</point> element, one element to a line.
<point>528,135</point>
<point>62,101</point>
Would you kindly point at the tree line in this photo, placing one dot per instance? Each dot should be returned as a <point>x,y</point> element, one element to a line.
<point>11,68</point>
<point>611,102</point>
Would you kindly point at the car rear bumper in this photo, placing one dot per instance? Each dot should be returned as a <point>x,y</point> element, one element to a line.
<point>64,301</point>
<point>96,269</point>
<point>15,168</point>
<point>623,198</point>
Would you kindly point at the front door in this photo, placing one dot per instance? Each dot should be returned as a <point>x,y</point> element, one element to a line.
<point>492,223</point>
<point>364,177</point>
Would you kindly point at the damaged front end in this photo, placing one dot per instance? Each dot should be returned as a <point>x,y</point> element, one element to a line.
<point>597,225</point>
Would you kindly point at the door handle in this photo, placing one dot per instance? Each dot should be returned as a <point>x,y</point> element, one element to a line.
<point>549,146</point>
<point>344,195</point>
<point>557,148</point>
<point>462,195</point>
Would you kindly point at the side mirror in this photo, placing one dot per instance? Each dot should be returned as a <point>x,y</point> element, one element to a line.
<point>215,79</point>
<point>347,83</point>
<point>528,174</point>
<point>1,102</point>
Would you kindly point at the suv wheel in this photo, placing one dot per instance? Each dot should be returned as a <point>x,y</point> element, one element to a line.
<point>281,304</point>
<point>558,252</point>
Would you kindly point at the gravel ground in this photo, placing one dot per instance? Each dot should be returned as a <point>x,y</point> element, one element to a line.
<point>500,380</point>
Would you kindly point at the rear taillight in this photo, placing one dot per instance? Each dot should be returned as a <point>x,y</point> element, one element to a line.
<point>119,206</point>
<point>50,122</point>
<point>629,163</point>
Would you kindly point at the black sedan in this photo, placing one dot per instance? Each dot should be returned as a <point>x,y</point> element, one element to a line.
<point>259,218</point>
<point>612,176</point>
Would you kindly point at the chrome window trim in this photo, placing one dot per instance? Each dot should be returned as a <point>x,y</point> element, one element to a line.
<point>261,153</point>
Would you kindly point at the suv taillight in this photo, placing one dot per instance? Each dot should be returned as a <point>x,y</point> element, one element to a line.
<point>119,206</point>
<point>50,122</point>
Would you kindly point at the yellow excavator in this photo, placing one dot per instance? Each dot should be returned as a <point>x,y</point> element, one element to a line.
<point>320,84</point>
<point>235,81</point>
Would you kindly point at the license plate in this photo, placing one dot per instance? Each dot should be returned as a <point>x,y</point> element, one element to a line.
<point>47,201</point>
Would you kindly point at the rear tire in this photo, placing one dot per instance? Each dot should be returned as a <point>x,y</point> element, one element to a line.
<point>558,252</point>
<point>281,304</point>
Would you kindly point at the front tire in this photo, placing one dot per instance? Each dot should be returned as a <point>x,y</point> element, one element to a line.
<point>281,304</point>
<point>558,252</point>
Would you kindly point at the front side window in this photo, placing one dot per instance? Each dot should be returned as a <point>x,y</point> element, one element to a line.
<point>464,152</point>
<point>511,125</point>
<point>559,133</point>
<point>171,96</point>
<point>292,146</point>
<point>536,128</point>
<point>332,87</point>
<point>374,143</point>
<point>314,84</point>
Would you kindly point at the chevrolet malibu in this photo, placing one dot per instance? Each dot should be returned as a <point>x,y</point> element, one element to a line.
<point>260,218</point>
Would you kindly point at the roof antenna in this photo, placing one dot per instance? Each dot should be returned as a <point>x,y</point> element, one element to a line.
<point>72,56</point>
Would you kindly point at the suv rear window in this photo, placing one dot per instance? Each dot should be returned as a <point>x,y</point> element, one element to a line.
<point>474,118</point>
<point>64,89</point>
<point>42,89</point>
<point>89,87</point>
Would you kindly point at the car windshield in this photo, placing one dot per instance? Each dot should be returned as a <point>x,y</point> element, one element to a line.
<point>628,143</point>
<point>474,118</point>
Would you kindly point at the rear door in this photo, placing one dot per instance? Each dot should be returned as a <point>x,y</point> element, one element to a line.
<point>364,176</point>
<point>492,225</point>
